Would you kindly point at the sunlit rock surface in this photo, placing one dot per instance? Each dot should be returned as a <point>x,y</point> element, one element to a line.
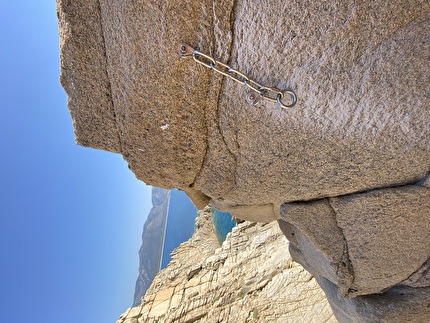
<point>348,164</point>
<point>250,278</point>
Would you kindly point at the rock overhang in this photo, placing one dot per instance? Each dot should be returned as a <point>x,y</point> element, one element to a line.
<point>354,127</point>
<point>361,123</point>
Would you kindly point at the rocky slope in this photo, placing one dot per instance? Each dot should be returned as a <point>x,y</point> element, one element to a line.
<point>250,278</point>
<point>150,252</point>
<point>345,172</point>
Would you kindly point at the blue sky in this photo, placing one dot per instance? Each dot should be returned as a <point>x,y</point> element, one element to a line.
<point>71,218</point>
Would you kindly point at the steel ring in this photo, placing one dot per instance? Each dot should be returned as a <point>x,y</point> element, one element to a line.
<point>292,96</point>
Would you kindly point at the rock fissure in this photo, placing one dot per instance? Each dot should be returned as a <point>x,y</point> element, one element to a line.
<point>355,138</point>
<point>415,182</point>
<point>195,319</point>
<point>115,117</point>
<point>246,277</point>
<point>425,182</point>
<point>420,278</point>
<point>222,86</point>
<point>345,268</point>
<point>191,185</point>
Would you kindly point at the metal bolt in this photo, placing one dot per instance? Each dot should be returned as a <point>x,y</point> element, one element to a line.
<point>253,98</point>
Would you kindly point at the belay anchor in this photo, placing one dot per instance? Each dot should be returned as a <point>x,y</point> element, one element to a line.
<point>258,91</point>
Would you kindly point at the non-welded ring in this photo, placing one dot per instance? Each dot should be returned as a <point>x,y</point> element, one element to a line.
<point>292,96</point>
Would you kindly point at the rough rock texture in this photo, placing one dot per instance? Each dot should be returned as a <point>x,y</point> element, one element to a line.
<point>360,70</point>
<point>398,304</point>
<point>369,252</point>
<point>347,164</point>
<point>356,241</point>
<point>250,278</point>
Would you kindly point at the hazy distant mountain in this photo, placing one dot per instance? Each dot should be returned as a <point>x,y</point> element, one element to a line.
<point>150,252</point>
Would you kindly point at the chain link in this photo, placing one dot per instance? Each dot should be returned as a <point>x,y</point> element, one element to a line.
<point>271,94</point>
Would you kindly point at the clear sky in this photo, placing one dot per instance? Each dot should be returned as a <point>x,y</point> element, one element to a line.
<point>71,218</point>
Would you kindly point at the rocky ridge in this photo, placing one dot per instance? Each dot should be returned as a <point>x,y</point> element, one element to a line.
<point>150,252</point>
<point>250,278</point>
<point>345,172</point>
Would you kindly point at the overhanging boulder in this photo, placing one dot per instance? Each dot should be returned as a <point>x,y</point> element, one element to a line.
<point>351,157</point>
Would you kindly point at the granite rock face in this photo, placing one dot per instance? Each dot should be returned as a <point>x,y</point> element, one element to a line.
<point>345,171</point>
<point>360,71</point>
<point>250,278</point>
<point>369,251</point>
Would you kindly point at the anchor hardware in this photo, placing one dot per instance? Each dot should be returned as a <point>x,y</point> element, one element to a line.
<point>258,91</point>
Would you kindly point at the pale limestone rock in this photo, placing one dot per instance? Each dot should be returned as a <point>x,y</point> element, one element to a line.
<point>134,312</point>
<point>249,278</point>
<point>359,130</point>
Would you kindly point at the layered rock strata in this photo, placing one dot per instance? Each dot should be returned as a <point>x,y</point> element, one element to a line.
<point>250,278</point>
<point>348,164</point>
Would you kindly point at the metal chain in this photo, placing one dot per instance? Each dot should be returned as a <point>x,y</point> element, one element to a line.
<point>259,91</point>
